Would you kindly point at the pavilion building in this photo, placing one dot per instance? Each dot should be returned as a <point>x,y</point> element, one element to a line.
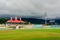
<point>14,23</point>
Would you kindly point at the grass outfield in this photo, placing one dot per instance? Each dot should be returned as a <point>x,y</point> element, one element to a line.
<point>30,34</point>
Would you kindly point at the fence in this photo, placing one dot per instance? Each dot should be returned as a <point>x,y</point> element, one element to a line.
<point>46,26</point>
<point>2,26</point>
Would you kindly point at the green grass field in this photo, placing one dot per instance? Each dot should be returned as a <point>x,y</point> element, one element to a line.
<point>30,34</point>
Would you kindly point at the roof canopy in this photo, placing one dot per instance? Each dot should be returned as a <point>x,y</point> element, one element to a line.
<point>15,21</point>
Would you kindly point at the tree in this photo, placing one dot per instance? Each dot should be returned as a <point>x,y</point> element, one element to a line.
<point>26,22</point>
<point>3,20</point>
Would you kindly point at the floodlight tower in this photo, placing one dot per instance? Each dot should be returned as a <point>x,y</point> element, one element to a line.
<point>45,15</point>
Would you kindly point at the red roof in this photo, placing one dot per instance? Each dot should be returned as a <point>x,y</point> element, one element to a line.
<point>15,21</point>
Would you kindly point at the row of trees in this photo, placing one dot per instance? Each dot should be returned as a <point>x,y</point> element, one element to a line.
<point>3,20</point>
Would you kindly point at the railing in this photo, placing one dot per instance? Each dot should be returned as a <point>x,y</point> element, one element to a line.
<point>46,26</point>
<point>32,26</point>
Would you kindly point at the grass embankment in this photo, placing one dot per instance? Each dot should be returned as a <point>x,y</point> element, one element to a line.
<point>30,34</point>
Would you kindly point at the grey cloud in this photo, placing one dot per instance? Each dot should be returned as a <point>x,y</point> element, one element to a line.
<point>31,7</point>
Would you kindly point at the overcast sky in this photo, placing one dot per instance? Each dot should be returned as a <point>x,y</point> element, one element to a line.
<point>30,7</point>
